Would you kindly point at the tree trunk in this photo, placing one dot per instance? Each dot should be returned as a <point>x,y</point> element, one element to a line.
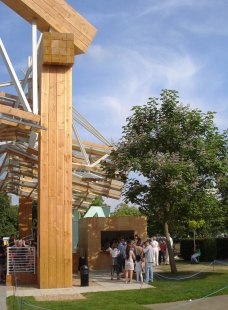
<point>170,250</point>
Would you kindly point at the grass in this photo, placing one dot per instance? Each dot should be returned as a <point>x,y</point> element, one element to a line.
<point>165,291</point>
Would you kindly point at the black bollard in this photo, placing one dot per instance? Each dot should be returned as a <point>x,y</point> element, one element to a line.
<point>84,273</point>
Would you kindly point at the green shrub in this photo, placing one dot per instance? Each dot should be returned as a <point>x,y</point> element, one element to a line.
<point>186,248</point>
<point>222,248</point>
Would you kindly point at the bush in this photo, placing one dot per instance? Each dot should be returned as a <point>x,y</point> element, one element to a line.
<point>210,248</point>
<point>222,248</point>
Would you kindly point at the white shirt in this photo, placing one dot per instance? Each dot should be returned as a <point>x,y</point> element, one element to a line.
<point>114,252</point>
<point>154,244</point>
<point>148,254</point>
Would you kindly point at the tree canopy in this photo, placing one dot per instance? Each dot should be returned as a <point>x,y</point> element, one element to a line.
<point>8,216</point>
<point>98,201</point>
<point>178,157</point>
<point>124,210</point>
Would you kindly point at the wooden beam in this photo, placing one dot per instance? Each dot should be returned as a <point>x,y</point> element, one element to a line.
<point>19,113</point>
<point>57,15</point>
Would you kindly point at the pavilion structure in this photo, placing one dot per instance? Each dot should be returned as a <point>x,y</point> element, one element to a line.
<point>42,155</point>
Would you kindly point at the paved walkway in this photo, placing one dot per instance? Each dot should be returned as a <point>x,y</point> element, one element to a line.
<point>2,297</point>
<point>211,303</point>
<point>99,282</point>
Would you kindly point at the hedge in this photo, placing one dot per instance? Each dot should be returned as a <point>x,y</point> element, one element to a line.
<point>211,249</point>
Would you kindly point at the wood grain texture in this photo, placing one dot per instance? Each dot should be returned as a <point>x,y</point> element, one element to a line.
<point>90,236</point>
<point>57,15</point>
<point>55,169</point>
<point>25,217</point>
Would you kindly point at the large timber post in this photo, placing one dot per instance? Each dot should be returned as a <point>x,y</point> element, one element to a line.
<point>55,162</point>
<point>72,36</point>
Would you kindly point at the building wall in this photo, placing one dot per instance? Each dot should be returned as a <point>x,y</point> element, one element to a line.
<point>90,236</point>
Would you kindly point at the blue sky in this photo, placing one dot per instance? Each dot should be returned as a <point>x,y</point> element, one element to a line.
<point>141,47</point>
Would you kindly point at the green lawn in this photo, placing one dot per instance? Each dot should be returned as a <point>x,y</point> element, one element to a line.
<point>165,291</point>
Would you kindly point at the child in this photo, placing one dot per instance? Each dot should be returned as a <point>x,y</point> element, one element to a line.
<point>138,268</point>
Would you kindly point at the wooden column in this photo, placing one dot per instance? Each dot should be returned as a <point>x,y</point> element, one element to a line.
<point>25,217</point>
<point>55,162</point>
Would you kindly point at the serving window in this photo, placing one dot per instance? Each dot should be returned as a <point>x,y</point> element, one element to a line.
<point>108,237</point>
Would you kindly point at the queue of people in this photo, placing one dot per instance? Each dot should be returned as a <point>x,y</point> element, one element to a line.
<point>129,256</point>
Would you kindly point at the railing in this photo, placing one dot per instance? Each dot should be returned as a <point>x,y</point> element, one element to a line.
<point>21,259</point>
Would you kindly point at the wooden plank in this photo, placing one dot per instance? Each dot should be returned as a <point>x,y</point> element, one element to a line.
<point>8,123</point>
<point>95,146</point>
<point>68,13</point>
<point>52,136</point>
<point>58,15</point>
<point>19,113</point>
<point>52,242</point>
<point>52,177</point>
<point>68,178</point>
<point>43,214</point>
<point>60,208</point>
<point>67,16</point>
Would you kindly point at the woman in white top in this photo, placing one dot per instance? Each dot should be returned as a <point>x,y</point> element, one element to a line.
<point>114,252</point>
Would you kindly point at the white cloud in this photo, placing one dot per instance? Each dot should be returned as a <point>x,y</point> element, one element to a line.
<point>167,6</point>
<point>135,77</point>
<point>210,26</point>
<point>97,53</point>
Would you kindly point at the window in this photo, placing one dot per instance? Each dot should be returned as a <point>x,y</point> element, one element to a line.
<point>108,237</point>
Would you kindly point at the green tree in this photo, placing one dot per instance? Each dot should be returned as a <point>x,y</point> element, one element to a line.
<point>176,155</point>
<point>8,216</point>
<point>124,210</point>
<point>98,201</point>
<point>194,225</point>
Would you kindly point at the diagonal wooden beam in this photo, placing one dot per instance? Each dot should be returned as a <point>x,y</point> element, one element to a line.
<point>57,15</point>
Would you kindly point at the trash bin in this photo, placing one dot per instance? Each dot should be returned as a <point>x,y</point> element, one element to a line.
<point>82,261</point>
<point>84,273</point>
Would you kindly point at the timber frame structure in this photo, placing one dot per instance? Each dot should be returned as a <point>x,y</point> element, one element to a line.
<point>39,159</point>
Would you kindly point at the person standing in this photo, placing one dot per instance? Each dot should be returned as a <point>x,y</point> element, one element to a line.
<point>138,268</point>
<point>139,248</point>
<point>129,263</point>
<point>162,251</point>
<point>114,252</point>
<point>155,246</point>
<point>148,251</point>
<point>12,240</point>
<point>167,252</point>
<point>121,258</point>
